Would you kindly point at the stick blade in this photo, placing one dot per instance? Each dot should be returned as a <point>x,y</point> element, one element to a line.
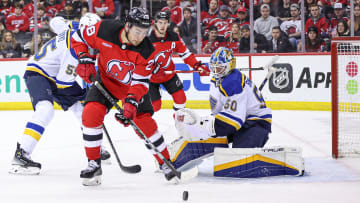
<point>189,174</point>
<point>131,169</point>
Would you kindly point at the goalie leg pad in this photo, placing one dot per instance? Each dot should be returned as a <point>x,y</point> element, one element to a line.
<point>185,154</point>
<point>258,162</point>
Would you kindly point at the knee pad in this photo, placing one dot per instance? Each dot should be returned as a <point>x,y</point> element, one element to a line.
<point>44,113</point>
<point>93,114</point>
<point>146,123</point>
<point>156,105</point>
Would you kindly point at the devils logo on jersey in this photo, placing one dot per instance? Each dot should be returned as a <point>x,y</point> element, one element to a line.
<point>163,58</point>
<point>120,70</point>
<point>291,29</point>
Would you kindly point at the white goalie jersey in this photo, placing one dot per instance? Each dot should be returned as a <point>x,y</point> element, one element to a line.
<point>60,62</point>
<point>236,100</point>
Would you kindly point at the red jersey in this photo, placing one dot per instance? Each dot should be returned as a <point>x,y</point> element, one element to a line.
<point>20,22</point>
<point>322,24</point>
<point>206,17</point>
<point>176,14</point>
<point>233,44</point>
<point>219,41</point>
<point>124,68</point>
<point>223,25</point>
<point>105,6</point>
<point>164,48</point>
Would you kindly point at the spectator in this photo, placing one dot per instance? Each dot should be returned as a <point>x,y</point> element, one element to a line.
<point>320,21</point>
<point>264,24</point>
<point>330,3</point>
<point>68,12</point>
<point>342,29</point>
<point>83,10</point>
<point>242,17</point>
<point>9,48</point>
<point>5,8</point>
<point>308,4</point>
<point>104,8</point>
<point>260,42</point>
<point>29,47</point>
<point>258,5</point>
<point>356,20</point>
<point>52,8</point>
<point>284,11</point>
<point>79,4</point>
<point>340,15</point>
<point>223,22</point>
<point>176,12</point>
<point>279,43</point>
<point>233,7</point>
<point>292,27</point>
<point>29,7</point>
<point>232,39</point>
<point>42,21</point>
<point>17,22</point>
<point>188,30</point>
<point>212,42</point>
<point>207,16</point>
<point>313,42</point>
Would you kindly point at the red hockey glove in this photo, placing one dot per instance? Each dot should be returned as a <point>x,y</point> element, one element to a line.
<point>130,107</point>
<point>119,117</point>
<point>86,67</point>
<point>204,70</point>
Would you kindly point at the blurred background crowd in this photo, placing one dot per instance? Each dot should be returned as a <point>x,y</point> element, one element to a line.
<point>245,26</point>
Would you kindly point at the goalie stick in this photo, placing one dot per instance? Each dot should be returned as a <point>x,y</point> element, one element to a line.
<point>181,175</point>
<point>270,69</point>
<point>127,169</point>
<point>196,71</point>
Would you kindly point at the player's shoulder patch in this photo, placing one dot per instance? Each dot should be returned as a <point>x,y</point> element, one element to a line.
<point>233,84</point>
<point>109,30</point>
<point>145,49</point>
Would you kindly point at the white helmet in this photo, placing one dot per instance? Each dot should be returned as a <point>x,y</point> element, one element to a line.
<point>89,19</point>
<point>58,24</point>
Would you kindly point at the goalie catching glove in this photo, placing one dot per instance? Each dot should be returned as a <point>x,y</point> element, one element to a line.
<point>86,67</point>
<point>202,68</point>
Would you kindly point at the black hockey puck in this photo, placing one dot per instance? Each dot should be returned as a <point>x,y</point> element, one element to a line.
<point>185,195</point>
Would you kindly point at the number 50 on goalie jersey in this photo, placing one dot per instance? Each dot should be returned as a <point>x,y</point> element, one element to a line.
<point>237,103</point>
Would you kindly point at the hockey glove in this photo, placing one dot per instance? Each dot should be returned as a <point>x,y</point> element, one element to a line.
<point>204,70</point>
<point>86,67</point>
<point>130,107</point>
<point>119,117</point>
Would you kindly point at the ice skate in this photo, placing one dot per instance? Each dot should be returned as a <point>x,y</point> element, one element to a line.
<point>22,163</point>
<point>91,176</point>
<point>105,156</point>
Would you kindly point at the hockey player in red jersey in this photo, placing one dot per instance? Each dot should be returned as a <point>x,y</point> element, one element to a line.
<point>125,65</point>
<point>166,43</point>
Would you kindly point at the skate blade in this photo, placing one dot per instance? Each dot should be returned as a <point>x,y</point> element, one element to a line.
<point>92,181</point>
<point>19,170</point>
<point>106,161</point>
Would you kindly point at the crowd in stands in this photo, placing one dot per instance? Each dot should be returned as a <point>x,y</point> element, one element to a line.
<point>277,24</point>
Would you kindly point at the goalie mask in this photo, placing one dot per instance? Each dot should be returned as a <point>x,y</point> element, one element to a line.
<point>89,19</point>
<point>222,62</point>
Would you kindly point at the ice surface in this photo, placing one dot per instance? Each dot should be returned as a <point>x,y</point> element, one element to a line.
<point>61,153</point>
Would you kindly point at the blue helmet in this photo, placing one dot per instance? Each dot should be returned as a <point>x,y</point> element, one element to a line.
<point>222,61</point>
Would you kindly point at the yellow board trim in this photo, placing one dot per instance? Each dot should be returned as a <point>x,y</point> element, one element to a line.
<point>250,159</point>
<point>33,134</point>
<point>205,104</point>
<point>210,140</point>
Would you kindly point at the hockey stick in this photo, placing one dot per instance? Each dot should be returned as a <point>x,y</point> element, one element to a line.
<point>196,71</point>
<point>127,169</point>
<point>183,175</point>
<point>270,69</point>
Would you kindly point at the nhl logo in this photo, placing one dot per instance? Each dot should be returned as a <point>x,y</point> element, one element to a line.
<point>282,79</point>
